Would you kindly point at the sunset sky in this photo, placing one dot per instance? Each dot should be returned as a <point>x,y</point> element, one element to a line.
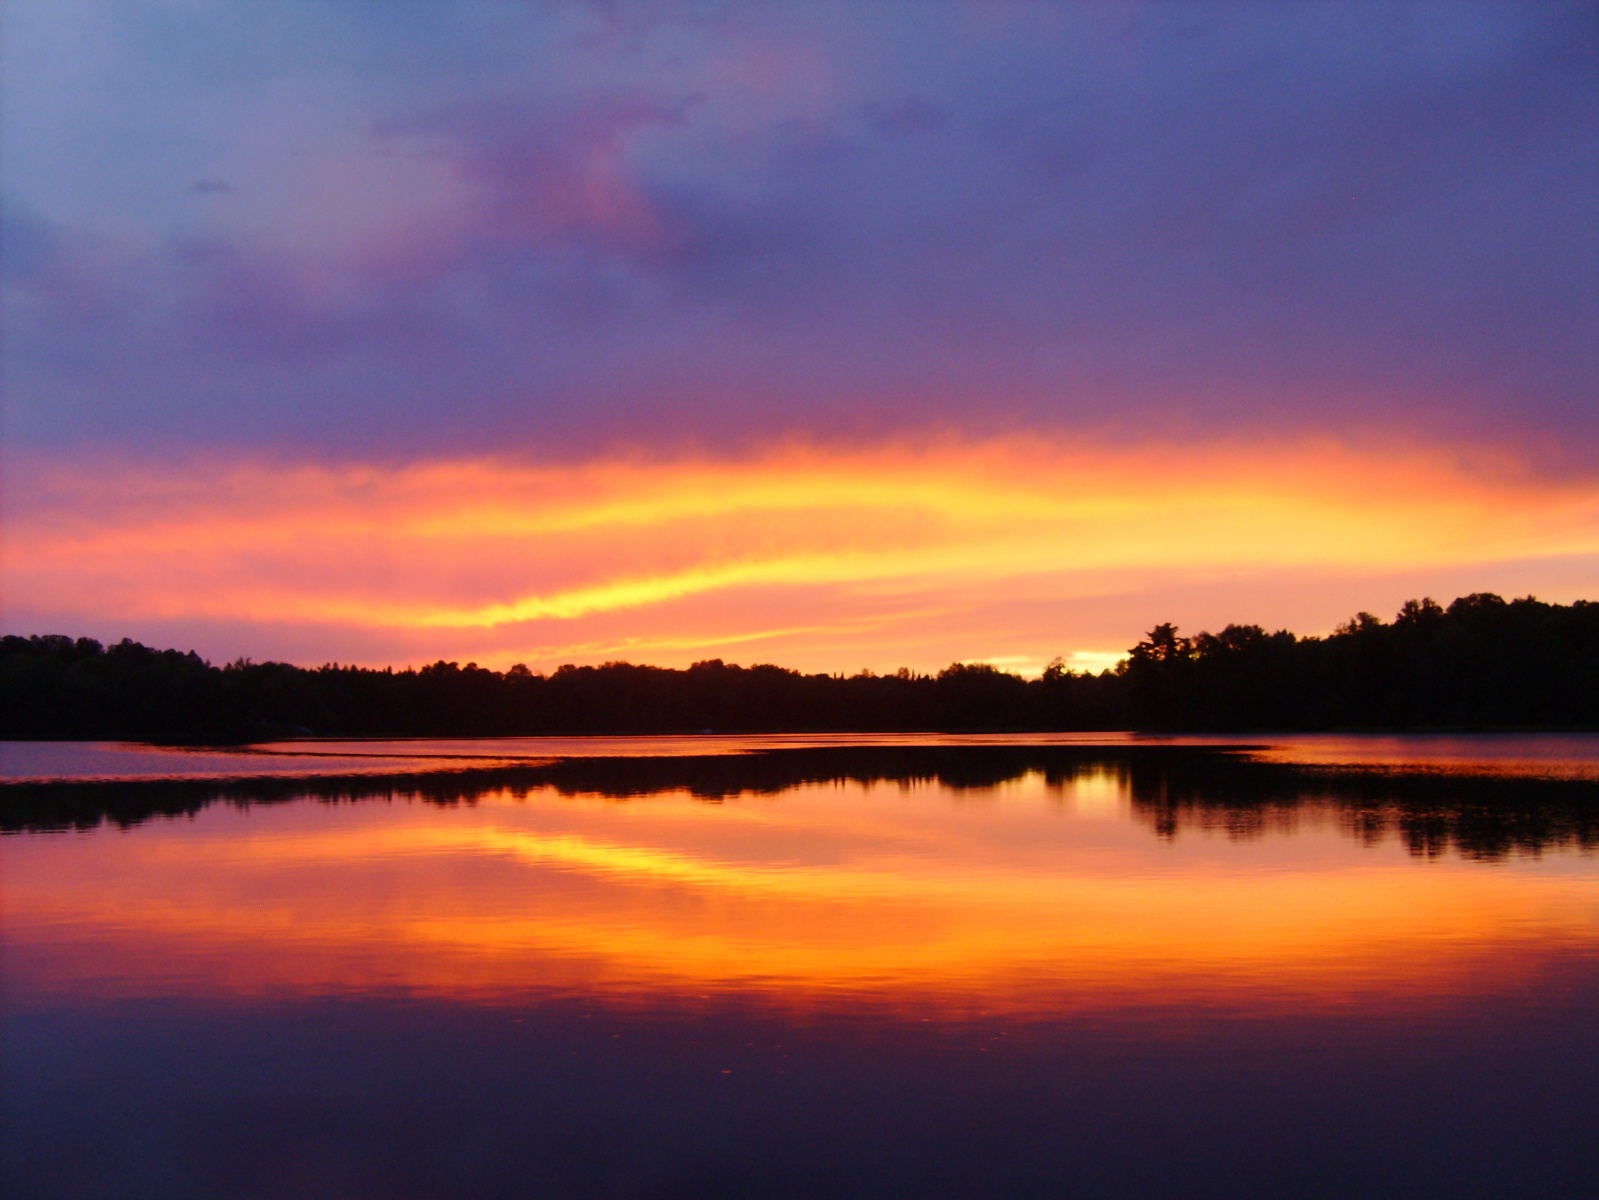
<point>838,336</point>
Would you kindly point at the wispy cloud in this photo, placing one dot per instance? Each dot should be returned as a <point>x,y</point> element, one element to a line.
<point>563,276</point>
<point>568,225</point>
<point>958,543</point>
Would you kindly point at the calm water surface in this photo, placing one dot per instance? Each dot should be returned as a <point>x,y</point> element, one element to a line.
<point>771,967</point>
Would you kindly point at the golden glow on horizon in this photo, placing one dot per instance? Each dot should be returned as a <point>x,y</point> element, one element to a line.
<point>1019,899</point>
<point>797,549</point>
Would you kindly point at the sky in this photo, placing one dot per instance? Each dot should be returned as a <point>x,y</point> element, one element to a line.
<point>840,336</point>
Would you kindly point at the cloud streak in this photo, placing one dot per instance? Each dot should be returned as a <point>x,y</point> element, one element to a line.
<point>805,550</point>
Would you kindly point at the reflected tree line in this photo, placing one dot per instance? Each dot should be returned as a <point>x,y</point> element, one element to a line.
<point>1172,790</point>
<point>1482,662</point>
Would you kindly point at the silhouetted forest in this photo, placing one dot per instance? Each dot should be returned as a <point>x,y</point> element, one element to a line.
<point>1483,817</point>
<point>1481,663</point>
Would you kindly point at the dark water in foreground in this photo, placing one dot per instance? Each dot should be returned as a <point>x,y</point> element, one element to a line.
<point>935,970</point>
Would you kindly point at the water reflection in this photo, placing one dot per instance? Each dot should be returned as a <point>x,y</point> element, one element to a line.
<point>1018,877</point>
<point>1480,812</point>
<point>862,970</point>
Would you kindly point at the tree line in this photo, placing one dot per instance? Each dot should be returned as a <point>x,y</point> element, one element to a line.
<point>1480,663</point>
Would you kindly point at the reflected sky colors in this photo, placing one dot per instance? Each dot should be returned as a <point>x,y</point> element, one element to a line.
<point>957,969</point>
<point>835,335</point>
<point>1026,898</point>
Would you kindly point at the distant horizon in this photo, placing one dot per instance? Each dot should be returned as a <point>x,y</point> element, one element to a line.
<point>1074,663</point>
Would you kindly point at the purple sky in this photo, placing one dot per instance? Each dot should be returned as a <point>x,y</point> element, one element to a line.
<point>382,230</point>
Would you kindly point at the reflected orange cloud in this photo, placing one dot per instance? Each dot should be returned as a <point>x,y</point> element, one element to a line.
<point>1024,900</point>
<point>831,560</point>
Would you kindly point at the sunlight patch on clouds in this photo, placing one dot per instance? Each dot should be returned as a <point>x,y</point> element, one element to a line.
<point>798,548</point>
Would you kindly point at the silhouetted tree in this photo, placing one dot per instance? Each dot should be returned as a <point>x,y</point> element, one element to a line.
<point>1482,662</point>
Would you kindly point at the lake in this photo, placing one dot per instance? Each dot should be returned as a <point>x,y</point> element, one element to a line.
<point>865,966</point>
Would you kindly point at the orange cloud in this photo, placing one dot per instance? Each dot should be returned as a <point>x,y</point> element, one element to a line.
<point>799,552</point>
